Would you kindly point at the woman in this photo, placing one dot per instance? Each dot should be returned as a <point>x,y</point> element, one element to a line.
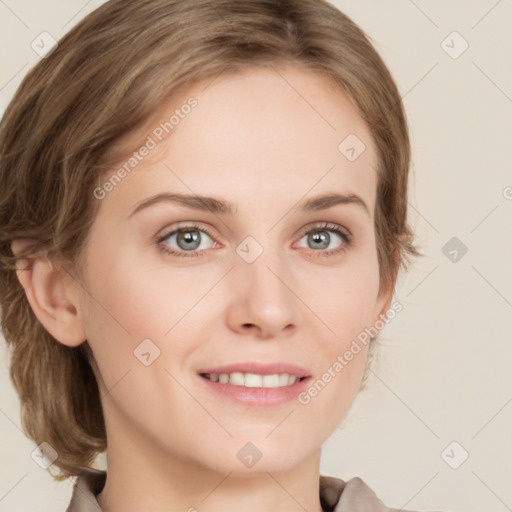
<point>203,217</point>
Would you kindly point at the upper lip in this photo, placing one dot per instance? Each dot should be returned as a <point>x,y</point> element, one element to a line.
<point>258,368</point>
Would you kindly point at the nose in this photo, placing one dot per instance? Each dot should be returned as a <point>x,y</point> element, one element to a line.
<point>262,301</point>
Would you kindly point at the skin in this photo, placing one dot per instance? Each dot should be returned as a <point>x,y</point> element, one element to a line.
<point>264,146</point>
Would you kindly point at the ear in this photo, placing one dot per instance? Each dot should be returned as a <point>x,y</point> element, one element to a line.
<point>51,293</point>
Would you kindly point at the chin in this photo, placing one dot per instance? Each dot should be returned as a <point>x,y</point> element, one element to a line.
<point>257,458</point>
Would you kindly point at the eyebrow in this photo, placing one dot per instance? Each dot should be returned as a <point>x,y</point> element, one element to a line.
<point>220,206</point>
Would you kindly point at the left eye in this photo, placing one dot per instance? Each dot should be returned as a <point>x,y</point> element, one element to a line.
<point>322,238</point>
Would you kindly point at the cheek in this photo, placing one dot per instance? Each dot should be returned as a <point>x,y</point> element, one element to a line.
<point>131,298</point>
<point>121,308</point>
<point>344,298</point>
<point>346,307</point>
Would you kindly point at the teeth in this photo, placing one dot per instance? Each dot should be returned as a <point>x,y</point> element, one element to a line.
<point>271,381</point>
<point>249,380</point>
<point>283,379</point>
<point>237,379</point>
<point>253,380</point>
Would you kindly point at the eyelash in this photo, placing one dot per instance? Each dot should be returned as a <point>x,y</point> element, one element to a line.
<point>344,235</point>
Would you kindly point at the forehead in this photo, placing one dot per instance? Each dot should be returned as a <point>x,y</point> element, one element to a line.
<point>270,135</point>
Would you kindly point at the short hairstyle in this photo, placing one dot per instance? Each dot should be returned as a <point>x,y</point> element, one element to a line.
<point>106,77</point>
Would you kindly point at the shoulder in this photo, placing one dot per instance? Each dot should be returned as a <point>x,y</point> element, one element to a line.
<point>337,495</point>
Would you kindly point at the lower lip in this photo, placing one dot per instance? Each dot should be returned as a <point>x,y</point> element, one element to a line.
<point>258,396</point>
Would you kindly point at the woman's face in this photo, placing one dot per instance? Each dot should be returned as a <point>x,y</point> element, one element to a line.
<point>265,287</point>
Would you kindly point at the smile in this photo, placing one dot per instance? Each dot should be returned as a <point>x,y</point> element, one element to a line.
<point>253,380</point>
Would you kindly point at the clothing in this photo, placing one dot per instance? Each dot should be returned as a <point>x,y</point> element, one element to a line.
<point>335,495</point>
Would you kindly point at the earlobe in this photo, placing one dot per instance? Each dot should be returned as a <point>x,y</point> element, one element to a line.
<point>49,293</point>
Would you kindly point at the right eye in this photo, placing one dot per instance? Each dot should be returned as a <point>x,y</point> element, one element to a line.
<point>185,241</point>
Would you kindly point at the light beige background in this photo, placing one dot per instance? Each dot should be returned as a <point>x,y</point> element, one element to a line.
<point>444,372</point>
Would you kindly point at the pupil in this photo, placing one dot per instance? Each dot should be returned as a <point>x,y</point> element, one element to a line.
<point>321,236</point>
<point>190,239</point>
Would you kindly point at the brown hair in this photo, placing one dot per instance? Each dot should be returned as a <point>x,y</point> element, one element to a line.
<point>108,75</point>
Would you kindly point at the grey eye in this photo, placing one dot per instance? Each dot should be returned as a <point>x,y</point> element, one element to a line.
<point>321,239</point>
<point>185,239</point>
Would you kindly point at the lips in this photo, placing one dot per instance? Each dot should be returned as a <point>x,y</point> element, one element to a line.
<point>256,383</point>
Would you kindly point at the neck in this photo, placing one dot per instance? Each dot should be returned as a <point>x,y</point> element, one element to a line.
<point>141,487</point>
<point>145,478</point>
